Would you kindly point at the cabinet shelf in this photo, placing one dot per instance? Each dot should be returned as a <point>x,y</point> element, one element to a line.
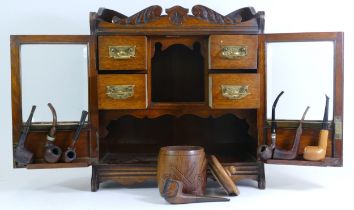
<point>326,162</point>
<point>84,162</point>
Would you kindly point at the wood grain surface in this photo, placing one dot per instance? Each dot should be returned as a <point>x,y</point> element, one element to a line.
<point>136,63</point>
<point>137,101</point>
<point>217,61</point>
<point>218,101</point>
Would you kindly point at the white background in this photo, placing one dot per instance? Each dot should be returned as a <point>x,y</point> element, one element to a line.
<point>288,187</point>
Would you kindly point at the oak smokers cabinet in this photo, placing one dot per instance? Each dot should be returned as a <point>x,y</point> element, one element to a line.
<point>180,78</point>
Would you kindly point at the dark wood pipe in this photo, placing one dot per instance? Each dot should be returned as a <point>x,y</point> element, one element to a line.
<point>22,155</point>
<point>172,192</point>
<point>265,152</point>
<point>52,153</point>
<point>292,153</point>
<point>70,153</point>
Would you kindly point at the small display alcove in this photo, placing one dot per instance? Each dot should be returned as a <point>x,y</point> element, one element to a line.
<point>178,72</point>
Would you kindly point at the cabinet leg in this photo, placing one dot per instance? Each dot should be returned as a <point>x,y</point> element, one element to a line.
<point>261,176</point>
<point>94,180</point>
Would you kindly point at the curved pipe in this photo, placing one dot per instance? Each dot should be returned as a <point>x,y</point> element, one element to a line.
<point>292,153</point>
<point>316,153</point>
<point>264,151</point>
<point>172,193</point>
<point>70,153</point>
<point>52,152</point>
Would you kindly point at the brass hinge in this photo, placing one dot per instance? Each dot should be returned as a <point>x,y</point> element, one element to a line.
<point>338,127</point>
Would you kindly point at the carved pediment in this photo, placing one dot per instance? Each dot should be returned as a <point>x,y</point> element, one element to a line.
<point>244,19</point>
<point>176,15</point>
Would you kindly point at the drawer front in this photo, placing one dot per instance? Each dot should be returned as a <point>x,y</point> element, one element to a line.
<point>122,91</point>
<point>228,91</point>
<point>122,52</point>
<point>233,51</point>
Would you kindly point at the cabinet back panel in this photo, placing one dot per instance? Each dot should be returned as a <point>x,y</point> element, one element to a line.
<point>224,136</point>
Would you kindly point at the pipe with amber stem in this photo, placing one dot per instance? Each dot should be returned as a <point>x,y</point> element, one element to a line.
<point>316,153</point>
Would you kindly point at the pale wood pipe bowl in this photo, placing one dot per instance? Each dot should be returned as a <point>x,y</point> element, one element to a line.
<point>317,153</point>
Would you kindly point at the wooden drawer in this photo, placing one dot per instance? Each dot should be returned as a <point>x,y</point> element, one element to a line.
<point>122,52</point>
<point>122,91</point>
<point>233,51</point>
<point>227,91</point>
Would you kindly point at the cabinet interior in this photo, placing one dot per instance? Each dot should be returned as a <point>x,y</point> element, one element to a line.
<point>134,140</point>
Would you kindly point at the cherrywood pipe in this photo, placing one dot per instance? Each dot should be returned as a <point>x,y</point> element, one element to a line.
<point>265,152</point>
<point>316,153</point>
<point>52,153</point>
<point>172,192</point>
<point>292,153</point>
<point>22,154</point>
<point>70,153</point>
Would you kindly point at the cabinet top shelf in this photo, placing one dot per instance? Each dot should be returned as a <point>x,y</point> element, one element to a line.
<point>202,21</point>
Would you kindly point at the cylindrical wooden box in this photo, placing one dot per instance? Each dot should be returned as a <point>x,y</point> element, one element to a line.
<point>187,164</point>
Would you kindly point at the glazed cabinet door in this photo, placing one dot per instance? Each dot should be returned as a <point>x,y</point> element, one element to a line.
<point>53,89</point>
<point>308,68</point>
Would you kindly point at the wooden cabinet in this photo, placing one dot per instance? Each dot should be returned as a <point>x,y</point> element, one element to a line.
<point>201,79</point>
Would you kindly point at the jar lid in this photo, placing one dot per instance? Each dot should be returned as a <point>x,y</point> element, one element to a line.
<point>222,177</point>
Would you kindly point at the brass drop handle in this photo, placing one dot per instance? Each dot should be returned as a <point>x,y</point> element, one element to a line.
<point>234,92</point>
<point>121,52</point>
<point>120,91</point>
<point>233,52</point>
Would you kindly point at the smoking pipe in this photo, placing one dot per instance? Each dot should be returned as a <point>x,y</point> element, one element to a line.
<point>22,154</point>
<point>172,192</point>
<point>316,153</point>
<point>70,153</point>
<point>265,152</point>
<point>292,153</point>
<point>52,153</point>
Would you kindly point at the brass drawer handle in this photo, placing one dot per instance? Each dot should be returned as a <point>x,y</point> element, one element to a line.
<point>233,52</point>
<point>120,91</point>
<point>234,92</point>
<point>121,52</point>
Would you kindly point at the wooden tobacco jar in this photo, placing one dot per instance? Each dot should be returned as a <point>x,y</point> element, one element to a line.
<point>178,77</point>
<point>187,164</point>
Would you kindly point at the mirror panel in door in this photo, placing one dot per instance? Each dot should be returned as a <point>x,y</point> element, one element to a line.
<point>62,69</point>
<point>59,69</point>
<point>306,66</point>
<point>304,71</point>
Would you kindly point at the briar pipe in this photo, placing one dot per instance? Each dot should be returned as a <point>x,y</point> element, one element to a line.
<point>22,154</point>
<point>70,153</point>
<point>52,153</point>
<point>292,153</point>
<point>316,153</point>
<point>172,192</point>
<point>265,152</point>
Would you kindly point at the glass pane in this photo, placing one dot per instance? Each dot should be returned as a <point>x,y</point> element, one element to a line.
<point>55,73</point>
<point>304,70</point>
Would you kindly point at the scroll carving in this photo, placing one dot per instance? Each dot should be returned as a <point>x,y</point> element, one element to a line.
<point>146,15</point>
<point>107,14</point>
<point>235,17</point>
<point>177,14</point>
